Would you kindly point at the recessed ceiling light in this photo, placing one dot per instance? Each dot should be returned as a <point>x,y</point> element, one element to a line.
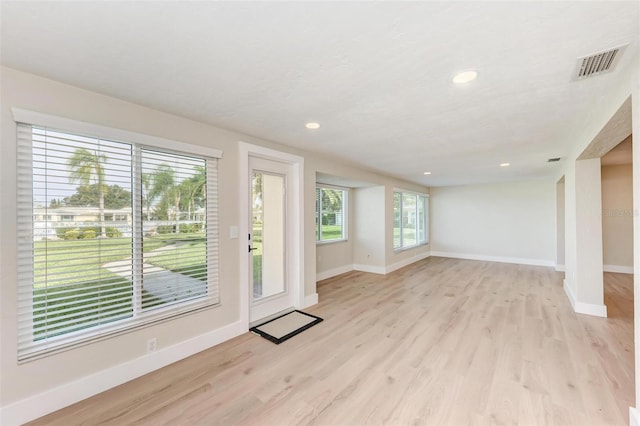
<point>465,77</point>
<point>505,164</point>
<point>427,173</point>
<point>312,125</point>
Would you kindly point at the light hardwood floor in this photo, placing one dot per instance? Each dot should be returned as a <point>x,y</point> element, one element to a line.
<point>440,342</point>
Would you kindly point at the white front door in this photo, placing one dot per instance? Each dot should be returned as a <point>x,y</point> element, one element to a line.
<point>267,246</point>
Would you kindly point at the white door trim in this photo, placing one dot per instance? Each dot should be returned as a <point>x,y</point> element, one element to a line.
<point>295,237</point>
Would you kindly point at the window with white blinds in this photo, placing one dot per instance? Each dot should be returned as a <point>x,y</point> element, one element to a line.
<point>112,235</point>
<point>331,217</point>
<point>410,220</point>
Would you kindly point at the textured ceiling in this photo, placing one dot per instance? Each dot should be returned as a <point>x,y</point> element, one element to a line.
<point>617,129</point>
<point>621,154</point>
<point>376,76</point>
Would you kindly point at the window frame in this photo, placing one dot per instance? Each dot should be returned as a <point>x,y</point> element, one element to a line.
<point>55,344</point>
<point>418,195</point>
<point>345,214</point>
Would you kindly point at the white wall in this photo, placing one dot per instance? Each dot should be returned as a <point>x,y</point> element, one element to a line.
<point>512,222</point>
<point>635,107</point>
<point>369,229</point>
<point>560,225</point>
<point>617,217</point>
<point>31,389</point>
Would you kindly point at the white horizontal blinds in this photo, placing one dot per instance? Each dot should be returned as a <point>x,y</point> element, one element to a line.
<point>421,215</point>
<point>397,220</point>
<point>174,265</point>
<point>112,236</point>
<point>318,209</point>
<point>78,241</point>
<point>409,219</point>
<point>213,249</point>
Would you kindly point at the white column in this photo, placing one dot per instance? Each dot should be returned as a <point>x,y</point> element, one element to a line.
<point>588,223</point>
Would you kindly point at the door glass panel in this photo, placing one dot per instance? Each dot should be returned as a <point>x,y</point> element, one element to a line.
<point>268,235</point>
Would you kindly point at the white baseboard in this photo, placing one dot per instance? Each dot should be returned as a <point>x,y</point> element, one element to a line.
<point>560,268</point>
<point>333,272</point>
<point>517,260</point>
<point>407,261</point>
<point>634,418</point>
<point>370,268</point>
<point>618,269</point>
<point>310,300</point>
<point>64,395</point>
<point>584,308</point>
<point>569,293</point>
<point>590,309</point>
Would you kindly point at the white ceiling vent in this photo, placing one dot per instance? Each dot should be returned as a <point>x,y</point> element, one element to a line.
<point>598,63</point>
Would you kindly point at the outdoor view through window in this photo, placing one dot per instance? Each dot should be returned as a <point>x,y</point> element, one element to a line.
<point>117,230</point>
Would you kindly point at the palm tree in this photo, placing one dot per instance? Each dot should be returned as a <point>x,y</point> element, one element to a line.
<point>87,167</point>
<point>164,185</point>
<point>197,188</point>
<point>147,184</point>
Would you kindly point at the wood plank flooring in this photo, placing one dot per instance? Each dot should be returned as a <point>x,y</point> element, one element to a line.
<point>440,342</point>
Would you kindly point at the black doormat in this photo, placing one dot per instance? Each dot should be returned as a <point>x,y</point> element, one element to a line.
<point>286,326</point>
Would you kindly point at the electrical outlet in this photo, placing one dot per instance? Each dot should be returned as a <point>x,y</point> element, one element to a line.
<point>152,345</point>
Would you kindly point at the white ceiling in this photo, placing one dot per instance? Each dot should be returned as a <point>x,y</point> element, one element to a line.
<point>621,154</point>
<point>376,76</point>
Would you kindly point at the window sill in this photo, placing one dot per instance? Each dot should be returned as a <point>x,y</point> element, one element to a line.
<point>399,250</point>
<point>322,243</point>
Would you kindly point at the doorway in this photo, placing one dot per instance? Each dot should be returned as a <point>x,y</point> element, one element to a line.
<point>267,238</point>
<point>272,249</point>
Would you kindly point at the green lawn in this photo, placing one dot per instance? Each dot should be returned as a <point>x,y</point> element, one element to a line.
<point>87,294</point>
<point>331,232</point>
<point>68,308</point>
<point>72,262</point>
<point>189,258</point>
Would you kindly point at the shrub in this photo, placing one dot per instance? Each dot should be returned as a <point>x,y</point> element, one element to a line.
<point>60,232</point>
<point>89,234</point>
<point>109,230</point>
<point>113,232</point>
<point>165,229</point>
<point>187,228</point>
<point>72,234</point>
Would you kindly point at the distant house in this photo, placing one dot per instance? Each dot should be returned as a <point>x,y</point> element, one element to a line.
<point>47,220</point>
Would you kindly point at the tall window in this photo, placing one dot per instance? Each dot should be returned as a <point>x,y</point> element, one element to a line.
<point>331,214</point>
<point>410,219</point>
<point>130,237</point>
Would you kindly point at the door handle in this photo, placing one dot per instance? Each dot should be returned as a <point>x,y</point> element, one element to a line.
<point>252,248</point>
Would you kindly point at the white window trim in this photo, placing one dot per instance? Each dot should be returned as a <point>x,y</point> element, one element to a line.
<point>427,196</point>
<point>345,214</point>
<point>104,132</point>
<point>75,339</point>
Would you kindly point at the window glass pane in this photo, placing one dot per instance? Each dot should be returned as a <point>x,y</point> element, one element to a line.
<point>397,220</point>
<point>81,257</point>
<point>318,207</point>
<point>331,216</point>
<point>174,264</point>
<point>421,220</point>
<point>426,219</point>
<point>409,219</point>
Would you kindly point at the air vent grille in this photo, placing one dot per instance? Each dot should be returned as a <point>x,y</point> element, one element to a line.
<point>598,63</point>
